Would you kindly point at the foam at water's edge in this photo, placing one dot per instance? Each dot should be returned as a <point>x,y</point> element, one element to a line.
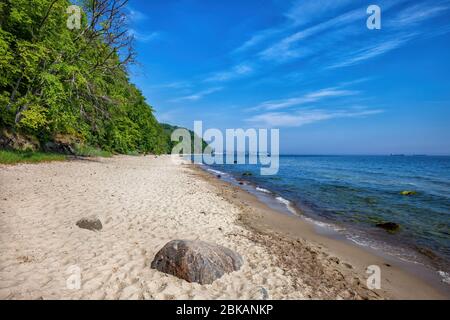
<point>323,224</point>
<point>216,171</point>
<point>385,248</point>
<point>263,190</point>
<point>288,204</point>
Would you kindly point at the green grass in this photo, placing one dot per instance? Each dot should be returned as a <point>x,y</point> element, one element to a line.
<point>88,151</point>
<point>13,157</point>
<point>133,153</point>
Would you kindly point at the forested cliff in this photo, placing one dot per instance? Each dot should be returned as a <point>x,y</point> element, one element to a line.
<point>66,84</point>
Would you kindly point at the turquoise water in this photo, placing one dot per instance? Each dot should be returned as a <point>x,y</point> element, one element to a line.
<point>357,192</point>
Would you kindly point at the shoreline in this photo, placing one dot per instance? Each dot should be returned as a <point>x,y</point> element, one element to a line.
<point>143,203</point>
<point>400,279</point>
<point>422,259</point>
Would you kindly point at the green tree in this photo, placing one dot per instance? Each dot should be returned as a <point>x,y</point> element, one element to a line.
<point>58,84</point>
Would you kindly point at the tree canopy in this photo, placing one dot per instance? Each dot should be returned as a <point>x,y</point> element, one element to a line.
<point>73,84</point>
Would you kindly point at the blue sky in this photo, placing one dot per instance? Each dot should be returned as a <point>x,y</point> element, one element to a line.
<point>311,68</point>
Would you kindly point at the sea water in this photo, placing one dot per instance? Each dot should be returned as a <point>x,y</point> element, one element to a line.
<point>355,193</point>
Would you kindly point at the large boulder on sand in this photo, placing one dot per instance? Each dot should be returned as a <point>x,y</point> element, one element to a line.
<point>90,223</point>
<point>196,261</point>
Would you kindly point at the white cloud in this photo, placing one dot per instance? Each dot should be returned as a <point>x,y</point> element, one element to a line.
<point>418,13</point>
<point>301,118</point>
<point>174,85</point>
<point>307,98</point>
<point>198,95</point>
<point>134,15</point>
<point>144,37</point>
<point>332,36</point>
<point>316,39</point>
<point>305,11</point>
<point>257,39</point>
<point>301,12</point>
<point>371,51</point>
<point>283,50</point>
<point>236,72</point>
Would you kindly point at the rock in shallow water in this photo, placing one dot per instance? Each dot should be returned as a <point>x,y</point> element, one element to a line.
<point>196,261</point>
<point>389,226</point>
<point>90,223</point>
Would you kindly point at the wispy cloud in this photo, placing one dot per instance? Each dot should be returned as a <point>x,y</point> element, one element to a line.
<point>135,16</point>
<point>402,32</point>
<point>237,71</point>
<point>134,19</point>
<point>306,11</point>
<point>144,37</point>
<point>418,13</point>
<point>335,34</point>
<point>174,85</point>
<point>301,12</point>
<point>330,33</point>
<point>257,39</point>
<point>197,96</point>
<point>286,48</point>
<point>371,51</point>
<point>307,98</point>
<point>301,118</point>
<point>315,40</point>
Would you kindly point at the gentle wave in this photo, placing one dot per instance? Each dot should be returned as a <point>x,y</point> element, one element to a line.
<point>263,190</point>
<point>288,204</point>
<point>324,224</point>
<point>216,171</point>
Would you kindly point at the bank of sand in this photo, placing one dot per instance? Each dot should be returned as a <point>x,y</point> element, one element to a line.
<point>143,203</point>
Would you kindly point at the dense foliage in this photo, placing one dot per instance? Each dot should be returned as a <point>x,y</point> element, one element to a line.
<point>168,129</point>
<point>72,85</point>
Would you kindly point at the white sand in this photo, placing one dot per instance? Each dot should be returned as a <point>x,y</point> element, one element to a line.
<point>143,203</point>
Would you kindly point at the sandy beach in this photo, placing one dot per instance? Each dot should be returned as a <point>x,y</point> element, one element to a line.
<point>145,202</point>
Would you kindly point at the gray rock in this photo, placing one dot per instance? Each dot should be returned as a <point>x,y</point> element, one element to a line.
<point>196,261</point>
<point>90,223</point>
<point>59,147</point>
